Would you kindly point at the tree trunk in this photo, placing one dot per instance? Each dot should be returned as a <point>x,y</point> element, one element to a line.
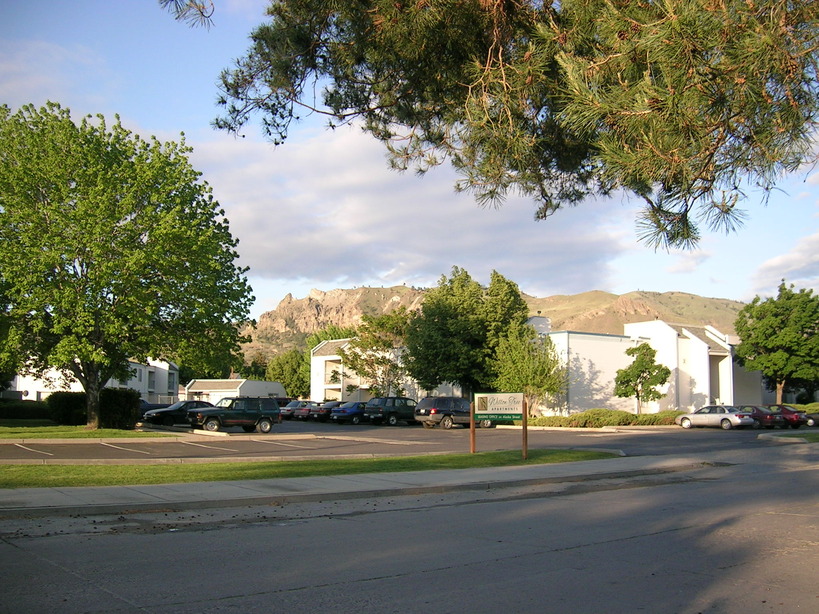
<point>780,389</point>
<point>92,393</point>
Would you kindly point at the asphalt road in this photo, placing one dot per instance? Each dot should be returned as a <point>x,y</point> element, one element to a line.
<point>294,440</point>
<point>734,537</point>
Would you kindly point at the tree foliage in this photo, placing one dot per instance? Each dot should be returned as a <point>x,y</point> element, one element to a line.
<point>683,103</point>
<point>288,369</point>
<point>111,248</point>
<point>454,337</point>
<point>780,337</point>
<point>528,363</point>
<point>642,377</point>
<point>375,353</point>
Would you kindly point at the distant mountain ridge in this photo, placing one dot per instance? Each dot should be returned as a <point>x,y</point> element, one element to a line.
<point>293,320</point>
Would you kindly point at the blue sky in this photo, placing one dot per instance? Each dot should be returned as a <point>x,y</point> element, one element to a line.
<point>323,211</point>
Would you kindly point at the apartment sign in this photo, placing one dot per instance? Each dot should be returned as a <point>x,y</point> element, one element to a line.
<point>501,406</point>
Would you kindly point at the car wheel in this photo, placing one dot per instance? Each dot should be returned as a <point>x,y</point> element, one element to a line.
<point>726,424</point>
<point>485,424</point>
<point>392,420</point>
<point>756,424</point>
<point>446,422</point>
<point>355,419</point>
<point>685,423</point>
<point>428,425</point>
<point>265,425</point>
<point>211,424</point>
<point>811,422</point>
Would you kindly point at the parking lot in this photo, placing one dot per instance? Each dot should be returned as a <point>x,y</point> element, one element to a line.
<point>296,440</point>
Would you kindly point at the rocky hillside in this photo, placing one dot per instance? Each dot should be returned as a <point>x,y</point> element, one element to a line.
<point>293,320</point>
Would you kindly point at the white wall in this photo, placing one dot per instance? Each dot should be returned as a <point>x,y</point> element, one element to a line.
<point>593,361</point>
<point>156,382</point>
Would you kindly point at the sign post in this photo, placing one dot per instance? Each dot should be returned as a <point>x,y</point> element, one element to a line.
<point>500,406</point>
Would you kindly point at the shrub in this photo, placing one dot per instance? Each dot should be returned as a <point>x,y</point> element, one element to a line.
<point>596,418</point>
<point>67,408</point>
<point>659,419</point>
<point>119,409</point>
<point>23,410</point>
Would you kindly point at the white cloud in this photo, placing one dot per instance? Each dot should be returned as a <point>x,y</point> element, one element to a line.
<point>327,209</point>
<point>799,266</point>
<point>688,262</point>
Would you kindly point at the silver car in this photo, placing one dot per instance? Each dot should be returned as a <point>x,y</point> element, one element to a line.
<point>724,416</point>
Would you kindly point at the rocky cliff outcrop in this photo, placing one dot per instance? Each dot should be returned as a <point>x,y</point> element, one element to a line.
<point>288,325</point>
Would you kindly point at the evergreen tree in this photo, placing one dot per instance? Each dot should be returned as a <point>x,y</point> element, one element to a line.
<point>682,103</point>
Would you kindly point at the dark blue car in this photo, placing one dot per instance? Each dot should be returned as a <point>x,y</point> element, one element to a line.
<point>352,412</point>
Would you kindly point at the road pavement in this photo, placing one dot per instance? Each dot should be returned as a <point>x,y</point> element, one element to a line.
<point>101,500</point>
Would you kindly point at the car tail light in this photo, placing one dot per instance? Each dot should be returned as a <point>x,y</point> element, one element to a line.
<point>433,411</point>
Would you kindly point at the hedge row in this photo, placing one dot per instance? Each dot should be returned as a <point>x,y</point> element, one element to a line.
<point>119,409</point>
<point>596,418</point>
<point>24,410</point>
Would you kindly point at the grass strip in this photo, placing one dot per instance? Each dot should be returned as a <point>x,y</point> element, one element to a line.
<point>811,436</point>
<point>45,429</point>
<point>44,476</point>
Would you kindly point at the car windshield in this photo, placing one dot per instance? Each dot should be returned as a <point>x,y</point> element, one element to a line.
<point>176,405</point>
<point>348,405</point>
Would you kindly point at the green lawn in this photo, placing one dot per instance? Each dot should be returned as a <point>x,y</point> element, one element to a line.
<point>811,435</point>
<point>37,476</point>
<point>45,429</point>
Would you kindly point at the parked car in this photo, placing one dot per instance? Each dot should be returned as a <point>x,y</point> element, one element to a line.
<point>323,412</point>
<point>145,406</point>
<point>352,412</point>
<point>390,410</point>
<point>173,414</point>
<point>725,416</point>
<point>764,417</point>
<point>446,411</point>
<point>794,417</point>
<point>302,412</point>
<point>288,409</point>
<point>251,413</point>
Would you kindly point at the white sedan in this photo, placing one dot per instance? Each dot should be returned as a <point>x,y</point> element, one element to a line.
<point>724,416</point>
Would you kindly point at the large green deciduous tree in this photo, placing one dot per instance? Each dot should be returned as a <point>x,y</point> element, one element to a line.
<point>454,337</point>
<point>528,363</point>
<point>780,337</point>
<point>375,353</point>
<point>111,248</point>
<point>642,377</point>
<point>684,103</point>
<point>288,369</point>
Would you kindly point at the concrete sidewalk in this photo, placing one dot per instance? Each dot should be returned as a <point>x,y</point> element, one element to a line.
<point>32,502</point>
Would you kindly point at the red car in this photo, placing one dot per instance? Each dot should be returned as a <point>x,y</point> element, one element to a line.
<point>764,417</point>
<point>793,416</point>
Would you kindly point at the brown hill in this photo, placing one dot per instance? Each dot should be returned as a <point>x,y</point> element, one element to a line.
<point>288,325</point>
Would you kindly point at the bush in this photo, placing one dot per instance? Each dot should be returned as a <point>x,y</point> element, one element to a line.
<point>119,409</point>
<point>663,418</point>
<point>23,410</point>
<point>67,408</point>
<point>596,418</point>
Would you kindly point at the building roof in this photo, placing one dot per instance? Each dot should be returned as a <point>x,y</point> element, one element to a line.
<point>214,384</point>
<point>330,348</point>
